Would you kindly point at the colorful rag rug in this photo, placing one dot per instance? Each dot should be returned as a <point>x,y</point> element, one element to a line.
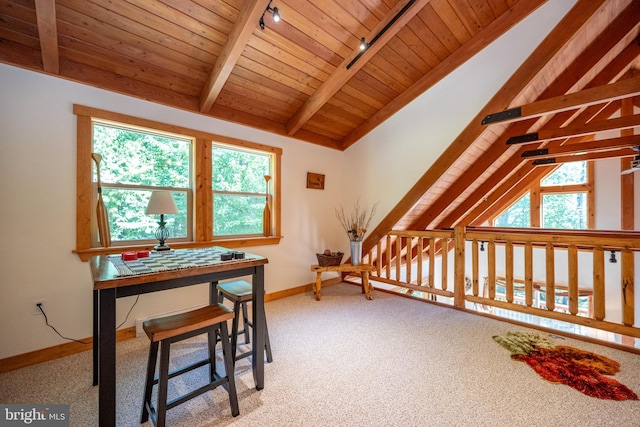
<point>582,370</point>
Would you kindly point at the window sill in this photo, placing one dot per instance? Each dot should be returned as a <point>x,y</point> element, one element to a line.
<point>85,254</point>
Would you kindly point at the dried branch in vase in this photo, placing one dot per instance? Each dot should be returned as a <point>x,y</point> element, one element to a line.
<point>357,222</point>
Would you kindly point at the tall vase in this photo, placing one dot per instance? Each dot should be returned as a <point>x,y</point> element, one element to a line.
<point>356,252</point>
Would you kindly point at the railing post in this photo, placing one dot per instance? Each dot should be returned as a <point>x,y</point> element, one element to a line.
<point>458,265</point>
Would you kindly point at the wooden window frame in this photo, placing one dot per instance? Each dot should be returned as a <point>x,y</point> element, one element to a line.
<point>203,206</point>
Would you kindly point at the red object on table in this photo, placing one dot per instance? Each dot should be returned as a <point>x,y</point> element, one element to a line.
<point>129,256</point>
<point>143,254</point>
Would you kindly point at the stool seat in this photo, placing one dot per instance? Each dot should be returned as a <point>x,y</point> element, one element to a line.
<point>182,323</point>
<point>240,293</point>
<point>162,332</point>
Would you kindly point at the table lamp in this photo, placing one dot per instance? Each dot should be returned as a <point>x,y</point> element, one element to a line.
<point>161,203</point>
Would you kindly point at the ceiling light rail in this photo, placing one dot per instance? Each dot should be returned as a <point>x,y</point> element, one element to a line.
<point>364,45</point>
<point>274,10</point>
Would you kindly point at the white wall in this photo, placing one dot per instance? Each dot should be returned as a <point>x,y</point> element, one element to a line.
<point>37,212</point>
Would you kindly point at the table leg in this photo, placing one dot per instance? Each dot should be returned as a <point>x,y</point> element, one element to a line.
<point>96,339</point>
<point>213,292</point>
<point>258,327</point>
<point>318,286</point>
<point>107,357</point>
<point>366,286</point>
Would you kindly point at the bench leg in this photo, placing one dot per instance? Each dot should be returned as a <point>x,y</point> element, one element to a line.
<point>318,286</point>
<point>366,286</point>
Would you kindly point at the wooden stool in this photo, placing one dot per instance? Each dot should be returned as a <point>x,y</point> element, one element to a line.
<point>363,269</point>
<point>240,293</point>
<point>170,329</point>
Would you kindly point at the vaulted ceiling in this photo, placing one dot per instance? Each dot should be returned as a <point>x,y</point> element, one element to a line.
<point>305,77</point>
<point>296,77</point>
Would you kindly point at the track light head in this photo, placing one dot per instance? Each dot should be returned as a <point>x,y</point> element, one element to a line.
<point>276,15</point>
<point>363,44</point>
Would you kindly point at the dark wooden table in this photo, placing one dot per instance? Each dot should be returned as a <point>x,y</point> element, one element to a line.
<point>108,286</point>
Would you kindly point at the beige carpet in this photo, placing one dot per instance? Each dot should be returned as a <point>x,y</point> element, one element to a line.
<point>346,361</point>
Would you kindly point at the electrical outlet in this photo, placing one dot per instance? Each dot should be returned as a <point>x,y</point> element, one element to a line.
<point>35,311</point>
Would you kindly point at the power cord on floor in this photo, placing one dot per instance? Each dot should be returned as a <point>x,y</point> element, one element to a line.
<point>46,321</point>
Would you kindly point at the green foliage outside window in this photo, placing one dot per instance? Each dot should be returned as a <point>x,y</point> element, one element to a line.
<point>133,163</point>
<point>238,190</point>
<point>518,214</point>
<point>566,211</point>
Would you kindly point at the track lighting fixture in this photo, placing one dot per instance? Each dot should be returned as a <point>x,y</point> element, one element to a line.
<point>363,44</point>
<point>481,246</point>
<point>613,259</point>
<point>274,10</point>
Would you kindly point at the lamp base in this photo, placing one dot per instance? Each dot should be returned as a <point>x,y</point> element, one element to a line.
<point>161,248</point>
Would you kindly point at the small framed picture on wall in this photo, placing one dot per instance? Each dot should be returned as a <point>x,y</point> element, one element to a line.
<point>315,180</point>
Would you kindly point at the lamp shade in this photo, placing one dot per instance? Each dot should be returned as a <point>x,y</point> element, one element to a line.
<point>161,202</point>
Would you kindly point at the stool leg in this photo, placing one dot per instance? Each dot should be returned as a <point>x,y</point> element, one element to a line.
<point>148,385</point>
<point>212,338</point>
<point>245,322</point>
<point>234,331</point>
<point>229,362</point>
<point>163,384</point>
<point>267,342</point>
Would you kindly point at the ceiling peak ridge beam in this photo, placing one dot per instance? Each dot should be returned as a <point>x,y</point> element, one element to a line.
<point>497,28</point>
<point>584,98</point>
<point>342,75</point>
<point>48,33</point>
<point>557,38</point>
<point>231,52</point>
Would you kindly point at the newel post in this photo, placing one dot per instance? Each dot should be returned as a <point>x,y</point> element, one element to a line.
<point>458,265</point>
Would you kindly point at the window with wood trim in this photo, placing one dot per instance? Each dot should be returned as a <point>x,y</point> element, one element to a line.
<point>140,155</point>
<point>562,199</point>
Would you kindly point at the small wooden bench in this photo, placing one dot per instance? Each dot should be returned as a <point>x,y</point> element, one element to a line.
<point>363,269</point>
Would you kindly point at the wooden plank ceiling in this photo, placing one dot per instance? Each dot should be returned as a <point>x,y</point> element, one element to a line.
<point>298,77</point>
<point>290,78</point>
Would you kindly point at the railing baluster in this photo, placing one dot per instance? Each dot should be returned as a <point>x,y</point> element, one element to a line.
<point>509,270</point>
<point>628,303</point>
<point>432,262</point>
<point>573,279</point>
<point>528,274</point>
<point>551,277</point>
<point>444,256</point>
<point>420,260</point>
<point>491,261</point>
<point>475,267</point>
<point>388,276</point>
<point>398,256</point>
<point>598,283</point>
<point>409,258</point>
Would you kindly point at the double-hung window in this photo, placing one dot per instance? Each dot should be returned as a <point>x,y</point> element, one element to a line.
<point>240,181</point>
<point>134,163</point>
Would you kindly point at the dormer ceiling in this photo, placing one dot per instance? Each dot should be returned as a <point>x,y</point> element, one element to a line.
<point>290,78</point>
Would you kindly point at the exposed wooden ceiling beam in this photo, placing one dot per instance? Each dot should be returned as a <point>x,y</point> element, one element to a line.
<point>342,75</point>
<point>242,29</point>
<point>618,123</point>
<point>48,33</point>
<point>497,28</point>
<point>622,152</point>
<point>597,95</point>
<point>593,146</point>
